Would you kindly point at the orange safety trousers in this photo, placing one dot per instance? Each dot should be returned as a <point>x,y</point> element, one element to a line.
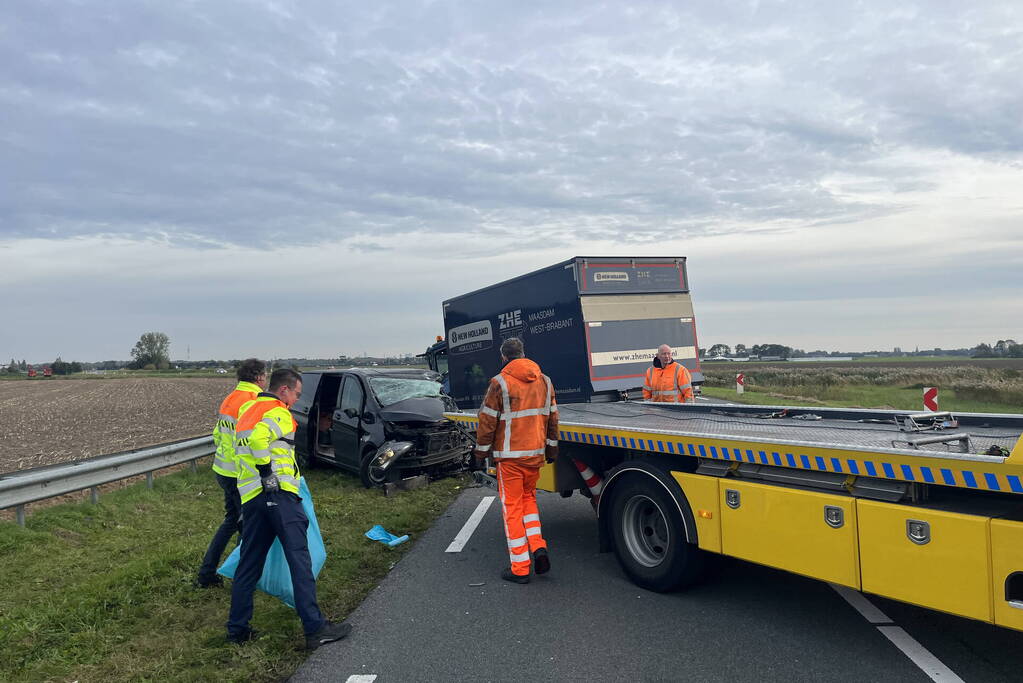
<point>516,487</point>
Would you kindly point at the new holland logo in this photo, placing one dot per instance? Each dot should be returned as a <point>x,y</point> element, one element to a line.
<point>472,337</point>
<point>611,276</point>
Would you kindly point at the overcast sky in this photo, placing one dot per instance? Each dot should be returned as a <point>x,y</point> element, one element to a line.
<point>314,178</point>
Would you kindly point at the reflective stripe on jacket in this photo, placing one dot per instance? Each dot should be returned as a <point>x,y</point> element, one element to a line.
<point>672,384</point>
<point>265,436</point>
<point>519,416</point>
<point>225,462</point>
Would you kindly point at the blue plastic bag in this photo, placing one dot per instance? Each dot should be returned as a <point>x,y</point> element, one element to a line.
<point>276,579</point>
<point>378,533</point>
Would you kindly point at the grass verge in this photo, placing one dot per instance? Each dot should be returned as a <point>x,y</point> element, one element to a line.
<point>104,592</point>
<point>859,396</point>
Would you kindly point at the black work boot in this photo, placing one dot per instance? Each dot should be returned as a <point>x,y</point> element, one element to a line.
<point>541,563</point>
<point>243,637</point>
<point>328,633</point>
<point>508,575</point>
<point>208,582</point>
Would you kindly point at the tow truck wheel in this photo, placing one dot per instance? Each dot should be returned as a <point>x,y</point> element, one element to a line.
<point>649,538</point>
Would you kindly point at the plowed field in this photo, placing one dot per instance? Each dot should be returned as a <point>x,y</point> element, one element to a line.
<point>43,422</point>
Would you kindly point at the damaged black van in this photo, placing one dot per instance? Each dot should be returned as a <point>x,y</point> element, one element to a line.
<point>384,424</point>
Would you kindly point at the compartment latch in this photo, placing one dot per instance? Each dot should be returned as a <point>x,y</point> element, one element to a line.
<point>918,531</point>
<point>834,516</point>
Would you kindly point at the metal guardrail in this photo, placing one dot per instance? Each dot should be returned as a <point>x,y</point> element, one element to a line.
<point>28,486</point>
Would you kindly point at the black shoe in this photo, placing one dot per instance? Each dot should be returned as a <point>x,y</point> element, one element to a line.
<point>507,575</point>
<point>244,637</point>
<point>541,563</point>
<point>216,581</point>
<point>328,633</point>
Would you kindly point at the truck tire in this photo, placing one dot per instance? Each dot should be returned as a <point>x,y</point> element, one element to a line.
<point>649,541</point>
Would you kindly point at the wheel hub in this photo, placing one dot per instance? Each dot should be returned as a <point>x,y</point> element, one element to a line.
<point>645,531</point>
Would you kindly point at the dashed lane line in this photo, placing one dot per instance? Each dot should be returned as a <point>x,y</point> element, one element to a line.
<point>361,678</point>
<point>470,525</point>
<point>916,652</point>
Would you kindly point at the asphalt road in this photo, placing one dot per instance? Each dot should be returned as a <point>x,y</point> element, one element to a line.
<point>430,620</point>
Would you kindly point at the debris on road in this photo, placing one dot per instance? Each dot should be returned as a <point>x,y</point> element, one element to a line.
<point>378,533</point>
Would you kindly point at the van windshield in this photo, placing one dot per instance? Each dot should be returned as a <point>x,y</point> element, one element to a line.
<point>390,390</point>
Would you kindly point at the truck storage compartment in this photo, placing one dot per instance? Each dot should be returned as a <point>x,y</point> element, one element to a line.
<point>1007,572</point>
<point>702,494</point>
<point>947,554</point>
<point>805,532</point>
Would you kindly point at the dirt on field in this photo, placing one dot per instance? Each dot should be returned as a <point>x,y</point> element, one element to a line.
<point>43,422</point>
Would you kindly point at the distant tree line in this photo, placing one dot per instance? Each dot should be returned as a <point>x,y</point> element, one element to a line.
<point>1003,348</point>
<point>758,350</point>
<point>15,367</point>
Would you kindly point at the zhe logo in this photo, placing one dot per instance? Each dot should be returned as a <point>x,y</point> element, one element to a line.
<point>510,319</point>
<point>611,276</point>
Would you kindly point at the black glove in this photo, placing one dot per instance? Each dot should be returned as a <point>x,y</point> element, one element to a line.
<point>270,484</point>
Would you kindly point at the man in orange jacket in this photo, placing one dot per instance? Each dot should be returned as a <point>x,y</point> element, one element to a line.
<point>667,381</point>
<point>519,429</point>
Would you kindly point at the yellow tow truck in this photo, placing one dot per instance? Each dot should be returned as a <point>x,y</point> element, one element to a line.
<point>925,508</point>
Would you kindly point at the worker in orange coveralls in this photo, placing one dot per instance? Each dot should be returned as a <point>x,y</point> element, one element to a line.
<point>667,381</point>
<point>518,427</point>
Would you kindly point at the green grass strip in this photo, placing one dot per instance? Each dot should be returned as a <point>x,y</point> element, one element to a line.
<point>104,592</point>
<point>858,396</point>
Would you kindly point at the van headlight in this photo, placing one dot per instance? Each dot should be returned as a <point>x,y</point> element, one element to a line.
<point>390,452</point>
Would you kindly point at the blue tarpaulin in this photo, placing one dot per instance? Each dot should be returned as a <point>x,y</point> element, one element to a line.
<point>276,579</point>
<point>378,533</point>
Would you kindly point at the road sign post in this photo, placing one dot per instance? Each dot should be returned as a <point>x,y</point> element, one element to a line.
<point>740,383</point>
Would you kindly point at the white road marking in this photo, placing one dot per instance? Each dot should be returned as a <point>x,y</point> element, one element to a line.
<point>927,662</point>
<point>467,530</point>
<point>361,678</point>
<point>865,607</point>
<point>916,652</point>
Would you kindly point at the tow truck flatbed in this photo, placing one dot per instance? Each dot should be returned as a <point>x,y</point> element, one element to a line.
<point>869,443</point>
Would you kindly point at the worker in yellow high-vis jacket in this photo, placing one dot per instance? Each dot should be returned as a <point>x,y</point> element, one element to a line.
<point>251,381</point>
<point>268,484</point>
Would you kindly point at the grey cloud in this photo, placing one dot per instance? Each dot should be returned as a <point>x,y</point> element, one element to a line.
<point>241,123</point>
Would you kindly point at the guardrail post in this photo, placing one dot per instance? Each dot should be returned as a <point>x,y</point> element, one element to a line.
<point>149,480</point>
<point>95,495</point>
<point>19,512</point>
<point>194,464</point>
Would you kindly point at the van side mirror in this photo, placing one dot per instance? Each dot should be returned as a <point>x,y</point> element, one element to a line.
<point>351,412</point>
<point>368,418</point>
